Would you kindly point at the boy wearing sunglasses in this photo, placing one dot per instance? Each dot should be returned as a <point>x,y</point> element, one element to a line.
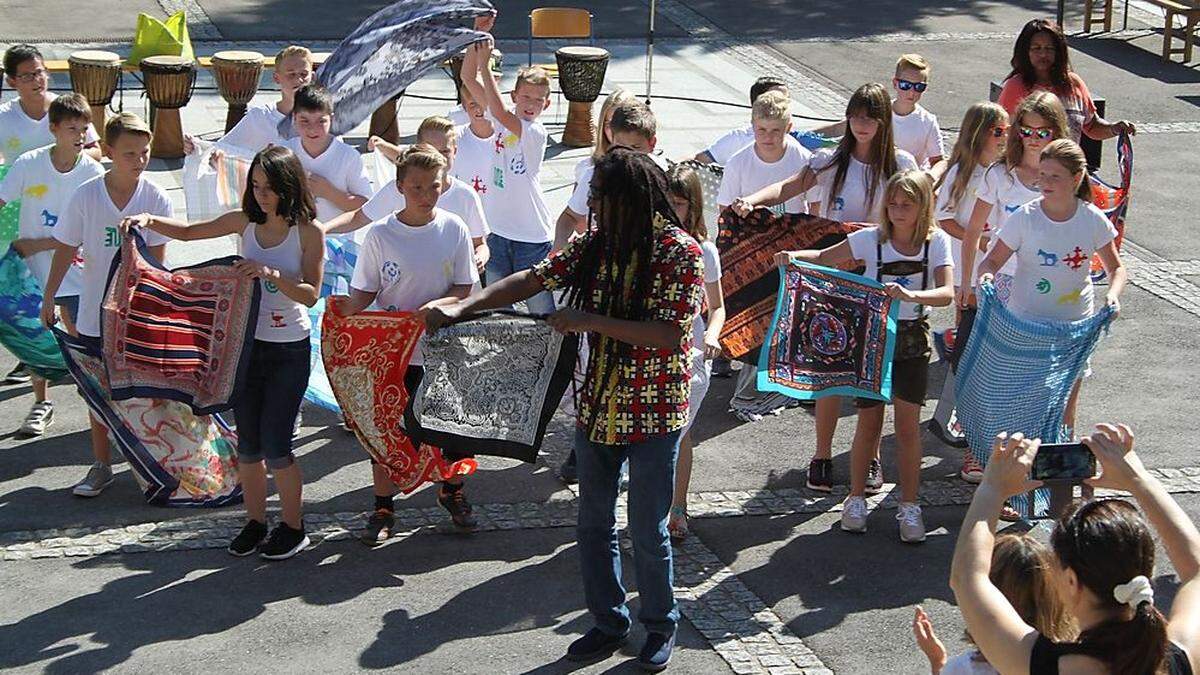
<point>914,128</point>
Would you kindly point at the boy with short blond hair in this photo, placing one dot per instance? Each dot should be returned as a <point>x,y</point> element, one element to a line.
<point>457,197</point>
<point>915,129</point>
<point>44,179</point>
<point>523,237</point>
<point>259,127</point>
<point>90,227</point>
<point>774,156</point>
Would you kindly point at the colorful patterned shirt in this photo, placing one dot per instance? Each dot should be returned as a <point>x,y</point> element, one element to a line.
<point>648,393</point>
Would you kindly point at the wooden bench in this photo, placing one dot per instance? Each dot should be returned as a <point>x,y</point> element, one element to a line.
<point>1092,148</point>
<point>1190,11</point>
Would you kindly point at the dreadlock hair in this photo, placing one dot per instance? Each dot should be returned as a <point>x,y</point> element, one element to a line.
<point>629,194</point>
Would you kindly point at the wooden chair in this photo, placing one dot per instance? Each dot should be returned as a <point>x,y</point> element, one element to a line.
<point>1189,10</point>
<point>1096,11</point>
<point>547,23</point>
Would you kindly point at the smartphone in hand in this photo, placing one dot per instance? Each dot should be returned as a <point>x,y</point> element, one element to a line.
<point>1063,462</point>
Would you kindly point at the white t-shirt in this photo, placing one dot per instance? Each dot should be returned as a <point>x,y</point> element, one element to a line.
<point>20,133</point>
<point>44,193</point>
<point>473,166</point>
<point>1053,278</point>
<point>90,222</point>
<point>516,178</point>
<point>961,214</point>
<point>746,173</point>
<point>728,144</point>
<point>917,134</point>
<point>409,266</point>
<point>1006,193</point>
<point>258,129</point>
<point>712,274</point>
<point>862,246</point>
<point>459,115</point>
<point>460,200</point>
<point>850,205</point>
<point>965,664</point>
<point>341,165</point>
<point>584,169</point>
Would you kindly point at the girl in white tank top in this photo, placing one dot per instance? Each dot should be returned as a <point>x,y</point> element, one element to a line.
<point>283,247</point>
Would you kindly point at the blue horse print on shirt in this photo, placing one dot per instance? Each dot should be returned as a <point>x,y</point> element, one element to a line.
<point>1048,259</point>
<point>48,219</point>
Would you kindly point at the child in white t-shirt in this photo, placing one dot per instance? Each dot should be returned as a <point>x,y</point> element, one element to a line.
<point>336,176</point>
<point>45,179</point>
<point>915,129</point>
<point>24,120</point>
<point>90,227</point>
<point>457,197</point>
<point>911,256</point>
<point>419,258</point>
<point>259,127</point>
<point>1052,240</point>
<point>475,145</point>
<point>523,237</point>
<point>772,157</point>
<point>980,143</point>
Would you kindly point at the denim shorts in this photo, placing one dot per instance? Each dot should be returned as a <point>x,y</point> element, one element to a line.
<point>269,401</point>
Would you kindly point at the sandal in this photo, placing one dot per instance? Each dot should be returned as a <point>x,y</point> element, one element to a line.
<point>1008,514</point>
<point>677,525</point>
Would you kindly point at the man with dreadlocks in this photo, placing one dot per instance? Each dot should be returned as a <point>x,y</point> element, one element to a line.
<point>634,283</point>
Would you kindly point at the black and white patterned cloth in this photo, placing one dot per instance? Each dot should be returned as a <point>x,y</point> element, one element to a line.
<point>389,51</point>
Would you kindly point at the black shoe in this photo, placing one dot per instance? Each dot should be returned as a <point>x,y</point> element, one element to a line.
<point>248,539</point>
<point>656,653</point>
<point>18,375</point>
<point>594,644</point>
<point>379,527</point>
<point>721,368</point>
<point>568,472</point>
<point>284,542</point>
<point>874,478</point>
<point>820,475</point>
<point>454,499</point>
<point>943,434</point>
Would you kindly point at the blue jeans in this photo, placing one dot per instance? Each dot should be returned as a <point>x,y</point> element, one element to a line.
<point>651,487</point>
<point>509,257</point>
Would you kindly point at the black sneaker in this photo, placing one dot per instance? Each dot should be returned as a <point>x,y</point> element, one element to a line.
<point>18,375</point>
<point>379,527</point>
<point>248,539</point>
<point>946,436</point>
<point>454,499</point>
<point>820,475</point>
<point>721,368</point>
<point>656,653</point>
<point>594,644</point>
<point>874,478</point>
<point>284,542</point>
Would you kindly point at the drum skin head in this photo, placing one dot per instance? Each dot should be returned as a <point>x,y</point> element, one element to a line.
<point>238,56</point>
<point>585,53</point>
<point>95,57</point>
<point>168,62</point>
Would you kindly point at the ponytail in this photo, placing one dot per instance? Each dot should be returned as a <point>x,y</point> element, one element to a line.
<point>1068,153</point>
<point>1138,645</point>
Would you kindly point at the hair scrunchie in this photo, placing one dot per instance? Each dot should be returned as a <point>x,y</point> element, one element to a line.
<point>1135,592</point>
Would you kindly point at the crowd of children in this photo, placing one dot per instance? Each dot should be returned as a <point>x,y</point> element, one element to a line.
<point>465,227</point>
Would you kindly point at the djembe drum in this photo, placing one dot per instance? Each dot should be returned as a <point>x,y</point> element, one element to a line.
<point>169,81</point>
<point>581,75</point>
<point>95,75</point>
<point>237,74</point>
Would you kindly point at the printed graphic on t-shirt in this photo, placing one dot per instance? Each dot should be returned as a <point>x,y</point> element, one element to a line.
<point>13,144</point>
<point>1076,259</point>
<point>112,238</point>
<point>390,271</point>
<point>48,219</point>
<point>478,185</point>
<point>37,191</point>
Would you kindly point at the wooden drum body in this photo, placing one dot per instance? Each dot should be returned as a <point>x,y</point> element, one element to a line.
<point>168,81</point>
<point>581,75</point>
<point>237,74</point>
<point>95,75</point>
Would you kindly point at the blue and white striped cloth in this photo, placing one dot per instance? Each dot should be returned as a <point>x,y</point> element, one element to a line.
<point>1016,375</point>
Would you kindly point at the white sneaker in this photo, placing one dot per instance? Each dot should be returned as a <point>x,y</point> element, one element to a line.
<point>98,477</point>
<point>40,416</point>
<point>912,525</point>
<point>854,514</point>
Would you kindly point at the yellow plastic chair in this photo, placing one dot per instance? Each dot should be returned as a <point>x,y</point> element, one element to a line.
<point>548,23</point>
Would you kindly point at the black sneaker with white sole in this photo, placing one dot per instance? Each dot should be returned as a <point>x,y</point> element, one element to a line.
<point>284,542</point>
<point>820,475</point>
<point>18,375</point>
<point>247,541</point>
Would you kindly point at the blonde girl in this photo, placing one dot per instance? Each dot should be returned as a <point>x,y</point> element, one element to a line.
<point>911,257</point>
<point>850,182</point>
<point>687,198</point>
